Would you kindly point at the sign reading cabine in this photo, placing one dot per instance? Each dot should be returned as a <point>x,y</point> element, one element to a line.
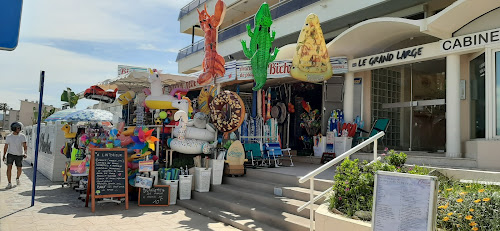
<point>471,40</point>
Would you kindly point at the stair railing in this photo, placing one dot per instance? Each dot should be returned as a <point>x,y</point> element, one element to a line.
<point>310,176</point>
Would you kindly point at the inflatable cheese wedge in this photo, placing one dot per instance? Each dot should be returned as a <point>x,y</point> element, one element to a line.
<point>311,62</point>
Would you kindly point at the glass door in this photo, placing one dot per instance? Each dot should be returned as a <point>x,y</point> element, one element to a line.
<point>415,106</point>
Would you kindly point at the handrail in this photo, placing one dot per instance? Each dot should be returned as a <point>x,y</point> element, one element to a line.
<point>310,176</point>
<point>341,157</point>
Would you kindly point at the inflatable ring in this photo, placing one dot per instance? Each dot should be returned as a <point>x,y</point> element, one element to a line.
<point>235,107</point>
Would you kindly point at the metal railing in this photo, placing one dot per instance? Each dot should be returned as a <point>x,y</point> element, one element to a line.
<point>190,7</point>
<point>195,47</point>
<point>277,11</point>
<point>310,176</point>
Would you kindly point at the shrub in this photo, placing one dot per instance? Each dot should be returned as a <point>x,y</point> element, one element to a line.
<point>396,159</point>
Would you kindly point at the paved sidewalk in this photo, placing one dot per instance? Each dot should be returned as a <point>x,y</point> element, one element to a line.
<point>58,208</point>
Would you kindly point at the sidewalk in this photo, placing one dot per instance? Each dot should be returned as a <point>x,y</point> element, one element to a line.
<point>58,208</point>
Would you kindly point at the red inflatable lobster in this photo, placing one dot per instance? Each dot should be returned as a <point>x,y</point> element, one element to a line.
<point>213,63</point>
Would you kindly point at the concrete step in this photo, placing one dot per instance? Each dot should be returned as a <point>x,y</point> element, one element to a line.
<point>224,215</point>
<point>264,186</point>
<point>288,180</point>
<point>279,202</point>
<point>255,210</point>
<point>431,159</point>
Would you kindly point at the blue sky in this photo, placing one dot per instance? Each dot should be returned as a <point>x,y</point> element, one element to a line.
<point>79,43</point>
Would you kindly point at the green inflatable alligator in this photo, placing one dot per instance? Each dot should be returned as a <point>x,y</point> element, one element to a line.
<point>260,46</point>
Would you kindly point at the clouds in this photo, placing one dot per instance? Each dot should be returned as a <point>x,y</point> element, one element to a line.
<point>80,43</point>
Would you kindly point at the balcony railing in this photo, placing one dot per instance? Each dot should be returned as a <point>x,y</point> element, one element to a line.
<point>190,7</point>
<point>278,10</point>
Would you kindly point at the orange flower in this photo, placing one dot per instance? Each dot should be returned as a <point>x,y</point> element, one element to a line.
<point>477,201</point>
<point>474,228</point>
<point>449,214</point>
<point>473,223</point>
<point>446,218</point>
<point>481,190</point>
<point>444,206</point>
<point>469,217</point>
<point>449,189</point>
<point>486,199</point>
<point>472,210</point>
<point>460,200</point>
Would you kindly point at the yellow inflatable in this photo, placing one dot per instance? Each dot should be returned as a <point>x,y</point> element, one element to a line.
<point>311,62</point>
<point>205,98</point>
<point>126,97</point>
<point>67,132</point>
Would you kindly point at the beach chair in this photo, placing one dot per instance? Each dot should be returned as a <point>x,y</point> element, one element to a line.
<point>253,153</point>
<point>274,151</point>
<point>380,125</point>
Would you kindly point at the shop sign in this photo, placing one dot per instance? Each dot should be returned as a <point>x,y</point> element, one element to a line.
<point>123,69</point>
<point>389,56</point>
<point>339,65</point>
<point>471,40</point>
<point>276,69</point>
<point>230,74</point>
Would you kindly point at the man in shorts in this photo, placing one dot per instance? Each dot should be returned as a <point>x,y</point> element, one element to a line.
<point>13,149</point>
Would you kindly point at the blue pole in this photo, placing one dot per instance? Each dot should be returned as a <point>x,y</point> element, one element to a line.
<point>39,122</point>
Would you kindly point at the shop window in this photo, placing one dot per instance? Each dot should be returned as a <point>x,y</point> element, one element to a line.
<point>477,98</point>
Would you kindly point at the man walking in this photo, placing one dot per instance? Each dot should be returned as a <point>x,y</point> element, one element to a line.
<point>14,145</point>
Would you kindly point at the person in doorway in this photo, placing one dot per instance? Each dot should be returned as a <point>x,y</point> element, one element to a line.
<point>13,150</point>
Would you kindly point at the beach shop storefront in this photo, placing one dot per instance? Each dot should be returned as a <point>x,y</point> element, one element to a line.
<point>436,79</point>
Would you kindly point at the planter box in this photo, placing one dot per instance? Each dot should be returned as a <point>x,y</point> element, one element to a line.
<point>325,220</point>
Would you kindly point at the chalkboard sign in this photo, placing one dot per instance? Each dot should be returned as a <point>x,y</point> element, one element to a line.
<point>404,202</point>
<point>158,195</point>
<point>109,174</point>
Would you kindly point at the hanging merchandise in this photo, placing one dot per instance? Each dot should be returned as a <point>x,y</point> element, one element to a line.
<point>260,45</point>
<point>205,98</point>
<point>157,100</point>
<point>188,146</point>
<point>126,97</point>
<point>100,94</point>
<point>228,120</point>
<point>213,63</point>
<point>311,62</point>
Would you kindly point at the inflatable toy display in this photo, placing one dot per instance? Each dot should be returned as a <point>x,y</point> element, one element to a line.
<point>235,108</point>
<point>188,146</point>
<point>98,93</point>
<point>67,132</point>
<point>198,129</point>
<point>204,99</point>
<point>260,45</point>
<point>213,63</point>
<point>311,62</point>
<point>126,97</point>
<point>157,100</point>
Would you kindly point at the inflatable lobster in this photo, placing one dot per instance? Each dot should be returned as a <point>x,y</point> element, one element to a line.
<point>213,63</point>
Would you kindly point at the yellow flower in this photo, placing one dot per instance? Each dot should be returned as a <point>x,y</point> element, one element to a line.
<point>474,228</point>
<point>449,214</point>
<point>460,200</point>
<point>449,189</point>
<point>458,225</point>
<point>468,186</point>
<point>469,217</point>
<point>439,191</point>
<point>486,199</point>
<point>443,206</point>
<point>473,223</point>
<point>481,190</point>
<point>477,201</point>
<point>472,210</point>
<point>446,218</point>
<point>463,193</point>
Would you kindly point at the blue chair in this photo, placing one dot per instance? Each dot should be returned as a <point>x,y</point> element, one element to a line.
<point>274,151</point>
<point>253,153</point>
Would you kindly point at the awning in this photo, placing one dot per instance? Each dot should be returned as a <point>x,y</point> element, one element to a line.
<point>136,81</point>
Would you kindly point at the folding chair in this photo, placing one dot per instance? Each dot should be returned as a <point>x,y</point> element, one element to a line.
<point>253,153</point>
<point>273,150</point>
<point>378,126</point>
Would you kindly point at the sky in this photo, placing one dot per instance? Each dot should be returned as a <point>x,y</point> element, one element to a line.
<point>80,43</point>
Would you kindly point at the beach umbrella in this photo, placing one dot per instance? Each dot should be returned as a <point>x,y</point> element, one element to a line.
<point>57,116</point>
<point>89,115</point>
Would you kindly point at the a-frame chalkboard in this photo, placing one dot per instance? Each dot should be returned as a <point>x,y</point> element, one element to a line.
<point>108,175</point>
